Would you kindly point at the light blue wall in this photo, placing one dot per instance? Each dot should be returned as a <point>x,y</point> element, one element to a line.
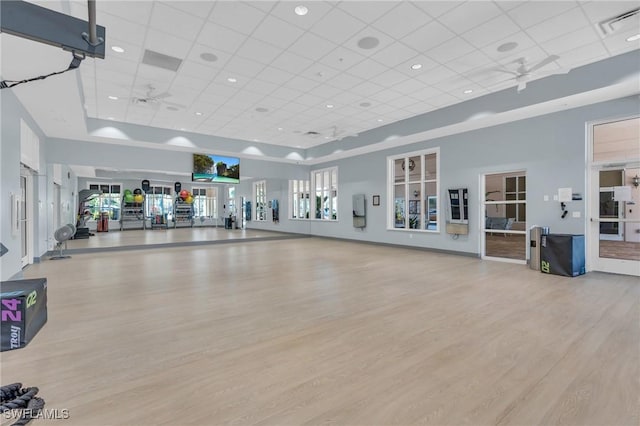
<point>11,112</point>
<point>551,148</point>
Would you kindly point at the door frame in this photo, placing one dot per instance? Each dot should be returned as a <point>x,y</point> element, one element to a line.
<point>28,221</point>
<point>482,214</point>
<point>592,205</point>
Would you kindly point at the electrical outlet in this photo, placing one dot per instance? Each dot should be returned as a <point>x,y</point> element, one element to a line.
<point>575,214</point>
<point>546,198</point>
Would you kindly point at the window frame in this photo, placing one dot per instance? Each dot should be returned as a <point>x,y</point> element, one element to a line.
<point>313,212</point>
<point>201,199</point>
<point>299,190</point>
<point>424,198</point>
<point>262,193</point>
<point>110,194</point>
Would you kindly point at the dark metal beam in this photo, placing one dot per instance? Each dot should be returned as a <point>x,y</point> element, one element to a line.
<point>47,26</point>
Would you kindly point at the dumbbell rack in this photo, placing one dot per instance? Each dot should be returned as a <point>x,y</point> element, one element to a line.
<point>182,213</point>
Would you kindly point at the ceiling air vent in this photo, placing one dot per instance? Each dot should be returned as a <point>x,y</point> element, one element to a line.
<point>160,60</point>
<point>626,20</point>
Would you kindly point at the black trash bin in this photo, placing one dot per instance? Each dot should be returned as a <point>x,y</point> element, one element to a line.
<point>228,223</point>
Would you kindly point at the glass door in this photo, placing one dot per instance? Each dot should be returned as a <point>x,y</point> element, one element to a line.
<point>504,208</point>
<point>613,237</point>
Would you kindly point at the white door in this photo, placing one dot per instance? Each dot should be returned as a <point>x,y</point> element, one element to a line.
<point>613,230</point>
<point>56,207</point>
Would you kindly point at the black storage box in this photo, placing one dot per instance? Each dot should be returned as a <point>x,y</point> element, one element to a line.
<point>562,254</point>
<point>23,311</point>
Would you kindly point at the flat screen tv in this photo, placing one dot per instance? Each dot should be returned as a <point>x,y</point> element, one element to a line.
<point>215,168</point>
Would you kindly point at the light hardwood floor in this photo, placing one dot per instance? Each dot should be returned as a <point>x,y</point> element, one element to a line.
<point>314,331</point>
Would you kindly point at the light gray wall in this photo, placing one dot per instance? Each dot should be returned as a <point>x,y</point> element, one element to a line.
<point>551,149</point>
<point>11,112</point>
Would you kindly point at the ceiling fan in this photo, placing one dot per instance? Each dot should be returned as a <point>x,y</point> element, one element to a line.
<point>152,98</point>
<point>526,72</point>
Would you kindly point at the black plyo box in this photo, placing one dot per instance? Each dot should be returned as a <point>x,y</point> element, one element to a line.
<point>23,311</point>
<point>562,254</point>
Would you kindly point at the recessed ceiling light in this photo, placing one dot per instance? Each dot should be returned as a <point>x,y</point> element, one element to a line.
<point>280,128</point>
<point>634,37</point>
<point>117,49</point>
<point>198,113</point>
<point>113,98</point>
<point>466,92</point>
<point>506,47</point>
<point>231,80</point>
<point>329,105</point>
<point>379,120</point>
<point>416,66</point>
<point>368,42</point>
<point>301,10</point>
<point>209,57</point>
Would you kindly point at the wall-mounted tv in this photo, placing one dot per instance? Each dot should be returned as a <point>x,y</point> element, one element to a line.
<point>215,168</point>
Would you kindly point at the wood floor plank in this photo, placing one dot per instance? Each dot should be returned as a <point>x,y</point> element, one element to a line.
<point>317,331</point>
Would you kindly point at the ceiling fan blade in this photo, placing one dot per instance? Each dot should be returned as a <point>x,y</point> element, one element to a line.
<point>506,71</point>
<point>162,95</point>
<point>544,62</point>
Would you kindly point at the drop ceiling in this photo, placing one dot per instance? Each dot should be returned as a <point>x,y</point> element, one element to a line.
<point>301,81</point>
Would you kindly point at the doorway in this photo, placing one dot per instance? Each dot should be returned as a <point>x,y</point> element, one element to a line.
<point>504,209</point>
<point>614,207</point>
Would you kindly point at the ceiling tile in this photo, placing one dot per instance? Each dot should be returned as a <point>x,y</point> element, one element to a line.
<point>409,87</point>
<point>258,51</point>
<point>301,83</point>
<point>449,50</point>
<point>558,25</point>
<point>155,74</point>
<point>522,40</point>
<point>237,16</point>
<point>286,94</point>
<point>473,60</point>
<point>347,98</point>
<point>428,36</point>
<point>469,15</point>
<point>116,77</point>
<point>394,54</point>
<point>132,52</point>
<point>341,58</point>
<point>320,73</point>
<point>366,89</point>
<point>367,69</point>
<point>589,53</point>
<point>389,78</point>
<point>326,92</point>
<point>385,95</point>
<point>167,44</point>
<point>531,13</point>
<point>384,41</point>
<point>115,63</point>
<point>310,100</point>
<point>197,70</point>
<point>401,102</point>
<point>437,8</point>
<point>337,26</point>
<point>220,38</point>
<point>293,63</point>
<point>426,92</point>
<point>436,75</point>
<point>496,29</point>
<point>567,42</point>
<point>191,82</point>
<point>367,11</point>
<point>199,49</point>
<point>427,64</point>
<point>262,87</point>
<point>274,75</point>
<point>443,100</point>
<point>201,9</point>
<point>311,46</point>
<point>617,43</point>
<point>138,12</point>
<point>344,81</point>
<point>510,4</point>
<point>182,25</point>
<point>242,66</point>
<point>277,32</point>
<point>285,11</point>
<point>121,29</point>
<point>401,20</point>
